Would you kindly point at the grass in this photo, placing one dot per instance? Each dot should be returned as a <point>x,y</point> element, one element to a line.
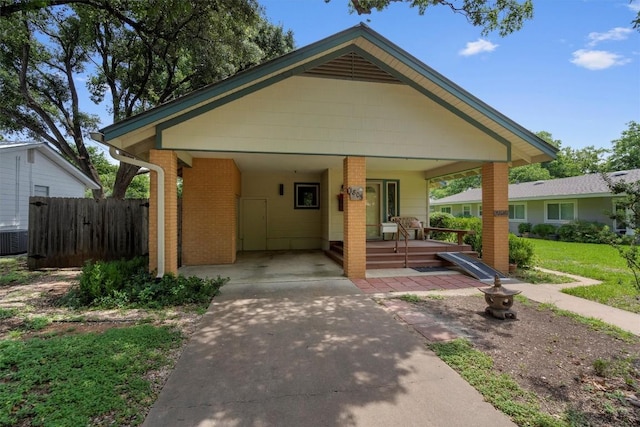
<point>75,380</point>
<point>593,323</point>
<point>13,271</point>
<point>537,276</point>
<point>600,262</point>
<point>498,389</point>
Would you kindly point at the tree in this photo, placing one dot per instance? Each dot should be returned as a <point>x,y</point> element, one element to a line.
<point>628,212</point>
<point>506,16</point>
<point>626,150</point>
<point>134,55</point>
<point>456,186</point>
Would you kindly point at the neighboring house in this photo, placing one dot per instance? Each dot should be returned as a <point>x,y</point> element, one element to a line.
<point>32,169</point>
<point>319,145</point>
<point>554,201</point>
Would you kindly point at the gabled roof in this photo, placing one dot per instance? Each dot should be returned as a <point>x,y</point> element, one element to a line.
<point>357,53</point>
<point>591,185</point>
<point>54,156</point>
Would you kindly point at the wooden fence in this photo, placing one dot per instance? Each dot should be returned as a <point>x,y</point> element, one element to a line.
<point>66,232</point>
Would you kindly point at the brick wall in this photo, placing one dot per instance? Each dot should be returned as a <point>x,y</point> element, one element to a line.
<point>168,160</point>
<point>355,213</point>
<point>209,212</point>
<point>495,228</point>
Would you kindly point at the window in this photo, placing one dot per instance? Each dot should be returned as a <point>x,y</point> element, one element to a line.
<point>445,209</point>
<point>561,211</point>
<point>466,211</point>
<point>518,212</point>
<point>480,211</point>
<point>620,224</point>
<point>41,191</point>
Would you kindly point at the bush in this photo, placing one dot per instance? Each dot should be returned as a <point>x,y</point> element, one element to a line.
<point>524,227</point>
<point>440,220</point>
<point>585,232</point>
<point>120,284</point>
<point>521,251</point>
<point>543,230</point>
<point>467,223</point>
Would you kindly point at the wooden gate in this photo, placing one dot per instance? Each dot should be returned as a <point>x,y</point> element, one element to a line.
<point>66,232</point>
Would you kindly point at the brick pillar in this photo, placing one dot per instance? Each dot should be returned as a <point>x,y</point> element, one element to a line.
<point>495,215</point>
<point>168,161</point>
<point>209,212</point>
<point>355,214</point>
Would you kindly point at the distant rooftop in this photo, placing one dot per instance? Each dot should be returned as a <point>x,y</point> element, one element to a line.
<point>590,185</point>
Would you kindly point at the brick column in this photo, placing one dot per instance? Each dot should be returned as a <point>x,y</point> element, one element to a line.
<point>495,215</point>
<point>209,212</point>
<point>168,161</point>
<point>355,214</point>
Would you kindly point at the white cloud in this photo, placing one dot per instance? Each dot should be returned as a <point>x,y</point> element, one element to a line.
<point>634,6</point>
<point>618,33</point>
<point>597,59</point>
<point>479,46</point>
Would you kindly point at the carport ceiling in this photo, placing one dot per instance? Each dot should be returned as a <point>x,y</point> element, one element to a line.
<point>258,162</point>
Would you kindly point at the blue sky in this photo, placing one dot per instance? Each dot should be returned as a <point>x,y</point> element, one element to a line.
<point>574,70</point>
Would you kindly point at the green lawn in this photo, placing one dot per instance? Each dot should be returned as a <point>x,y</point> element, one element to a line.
<point>600,262</point>
<point>82,379</point>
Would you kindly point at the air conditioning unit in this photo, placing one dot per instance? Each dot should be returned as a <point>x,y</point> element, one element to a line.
<point>13,242</point>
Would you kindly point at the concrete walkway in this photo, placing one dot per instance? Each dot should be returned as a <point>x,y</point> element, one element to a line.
<point>289,343</point>
<point>315,361</point>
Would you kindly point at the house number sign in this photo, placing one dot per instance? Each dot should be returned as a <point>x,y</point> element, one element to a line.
<point>501,213</point>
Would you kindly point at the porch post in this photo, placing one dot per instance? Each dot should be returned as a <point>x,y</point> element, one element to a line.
<point>428,221</point>
<point>495,216</point>
<point>167,160</point>
<point>355,214</point>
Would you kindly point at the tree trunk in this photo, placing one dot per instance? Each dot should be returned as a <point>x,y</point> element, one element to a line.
<point>124,176</point>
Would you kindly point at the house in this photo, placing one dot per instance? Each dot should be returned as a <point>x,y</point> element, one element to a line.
<point>32,169</point>
<point>554,201</point>
<point>320,145</point>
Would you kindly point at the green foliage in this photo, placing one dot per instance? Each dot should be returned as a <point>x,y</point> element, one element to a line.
<point>625,153</point>
<point>524,227</point>
<point>75,379</point>
<point>521,251</point>
<point>502,391</point>
<point>528,173</point>
<point>13,271</point>
<point>120,284</point>
<point>504,16</point>
<point>472,223</point>
<point>543,230</point>
<point>456,186</point>
<point>629,213</point>
<point>413,298</point>
<point>133,54</point>
<point>585,232</point>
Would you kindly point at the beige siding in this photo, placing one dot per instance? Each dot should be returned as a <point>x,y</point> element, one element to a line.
<point>287,228</point>
<point>322,116</point>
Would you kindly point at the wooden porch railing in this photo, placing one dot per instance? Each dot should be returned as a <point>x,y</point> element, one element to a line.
<point>460,233</point>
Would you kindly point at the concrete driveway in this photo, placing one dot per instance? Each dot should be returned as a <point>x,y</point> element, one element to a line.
<point>279,356</point>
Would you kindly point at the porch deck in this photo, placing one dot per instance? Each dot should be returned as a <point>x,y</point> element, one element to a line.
<point>419,253</point>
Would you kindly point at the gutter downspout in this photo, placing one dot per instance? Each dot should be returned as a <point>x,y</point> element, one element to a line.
<point>160,208</point>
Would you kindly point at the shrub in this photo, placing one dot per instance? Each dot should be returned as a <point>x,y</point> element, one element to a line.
<point>543,230</point>
<point>585,232</point>
<point>468,223</point>
<point>439,220</point>
<point>521,251</point>
<point>524,227</point>
<point>120,284</point>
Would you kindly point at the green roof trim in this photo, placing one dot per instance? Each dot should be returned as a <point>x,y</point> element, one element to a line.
<point>162,112</point>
